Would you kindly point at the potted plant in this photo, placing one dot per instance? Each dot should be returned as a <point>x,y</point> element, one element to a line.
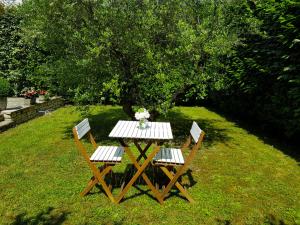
<point>30,94</point>
<point>43,96</point>
<point>4,92</point>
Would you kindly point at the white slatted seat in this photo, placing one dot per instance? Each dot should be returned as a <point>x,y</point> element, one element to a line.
<point>169,156</point>
<point>107,154</point>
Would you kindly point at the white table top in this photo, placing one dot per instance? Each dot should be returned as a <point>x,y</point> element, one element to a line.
<point>130,129</point>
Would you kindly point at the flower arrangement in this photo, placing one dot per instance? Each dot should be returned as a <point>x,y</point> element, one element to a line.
<point>29,93</point>
<point>43,95</point>
<point>142,115</point>
<point>42,92</point>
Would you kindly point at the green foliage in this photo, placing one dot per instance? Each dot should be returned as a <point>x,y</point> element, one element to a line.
<point>4,87</point>
<point>152,50</point>
<point>18,61</point>
<point>263,75</point>
<point>243,54</point>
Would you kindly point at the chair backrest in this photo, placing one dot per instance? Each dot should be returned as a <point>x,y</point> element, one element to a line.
<point>195,132</point>
<point>82,128</point>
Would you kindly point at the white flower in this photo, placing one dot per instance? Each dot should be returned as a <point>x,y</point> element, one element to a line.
<point>142,114</point>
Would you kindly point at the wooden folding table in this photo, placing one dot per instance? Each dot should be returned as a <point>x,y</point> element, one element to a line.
<point>154,133</point>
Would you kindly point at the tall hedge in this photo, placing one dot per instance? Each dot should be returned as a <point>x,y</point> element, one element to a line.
<point>19,61</point>
<point>263,76</point>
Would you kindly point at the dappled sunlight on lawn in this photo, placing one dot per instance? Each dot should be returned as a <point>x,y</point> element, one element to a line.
<point>235,178</point>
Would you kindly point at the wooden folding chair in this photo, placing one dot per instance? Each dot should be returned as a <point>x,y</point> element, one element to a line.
<point>168,158</point>
<point>109,155</point>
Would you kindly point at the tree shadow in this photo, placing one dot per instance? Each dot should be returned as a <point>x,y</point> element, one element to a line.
<point>288,147</point>
<point>156,176</point>
<point>181,125</point>
<point>267,220</point>
<point>46,217</point>
<point>101,124</point>
<point>273,220</point>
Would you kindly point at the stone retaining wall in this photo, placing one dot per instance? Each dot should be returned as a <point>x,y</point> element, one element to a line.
<point>28,113</point>
<point>13,102</point>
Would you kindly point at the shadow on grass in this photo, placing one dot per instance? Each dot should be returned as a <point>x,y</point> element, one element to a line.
<point>103,122</point>
<point>181,125</point>
<point>290,148</point>
<point>268,220</point>
<point>155,175</point>
<point>47,216</point>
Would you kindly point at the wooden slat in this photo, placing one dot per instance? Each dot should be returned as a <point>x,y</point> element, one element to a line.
<point>173,158</point>
<point>176,156</point>
<point>181,159</point>
<point>124,130</point>
<point>101,154</point>
<point>195,131</point>
<point>138,133</point>
<point>134,133</point>
<point>109,154</point>
<point>144,133</point>
<point>82,128</point>
<point>112,133</point>
<point>115,154</point>
<point>118,154</point>
<point>122,126</point>
<point>169,129</point>
<point>163,155</point>
<point>160,132</point>
<point>152,132</point>
<point>130,130</point>
<point>95,154</point>
<point>169,156</point>
<point>115,131</point>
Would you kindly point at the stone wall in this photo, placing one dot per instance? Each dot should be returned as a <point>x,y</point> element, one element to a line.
<point>15,102</point>
<point>22,115</point>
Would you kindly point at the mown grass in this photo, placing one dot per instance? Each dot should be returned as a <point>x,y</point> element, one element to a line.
<point>236,178</point>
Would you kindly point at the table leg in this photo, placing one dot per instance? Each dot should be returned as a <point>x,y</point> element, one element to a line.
<point>142,151</point>
<point>140,170</point>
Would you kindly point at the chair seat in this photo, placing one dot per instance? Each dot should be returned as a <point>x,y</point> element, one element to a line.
<point>169,156</point>
<point>107,154</point>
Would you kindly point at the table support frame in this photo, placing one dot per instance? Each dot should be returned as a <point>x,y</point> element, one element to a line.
<point>140,167</point>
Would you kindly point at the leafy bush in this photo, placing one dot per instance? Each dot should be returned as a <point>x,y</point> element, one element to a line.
<point>19,61</point>
<point>4,87</point>
<point>262,81</point>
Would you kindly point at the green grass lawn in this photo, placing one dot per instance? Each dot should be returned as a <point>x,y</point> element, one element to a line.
<point>236,178</point>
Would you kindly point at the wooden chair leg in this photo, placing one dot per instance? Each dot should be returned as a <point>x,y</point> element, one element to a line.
<point>89,187</point>
<point>178,185</point>
<point>99,178</point>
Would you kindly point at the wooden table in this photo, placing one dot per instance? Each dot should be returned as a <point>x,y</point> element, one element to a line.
<point>154,133</point>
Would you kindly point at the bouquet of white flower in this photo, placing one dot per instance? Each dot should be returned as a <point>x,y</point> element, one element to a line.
<point>142,115</point>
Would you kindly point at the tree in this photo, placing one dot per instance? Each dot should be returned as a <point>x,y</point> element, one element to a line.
<point>155,50</point>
